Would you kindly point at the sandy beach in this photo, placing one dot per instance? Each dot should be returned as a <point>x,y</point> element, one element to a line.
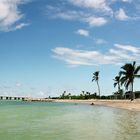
<point>123,104</point>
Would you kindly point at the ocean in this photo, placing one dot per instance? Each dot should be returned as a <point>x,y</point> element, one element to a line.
<point>21,120</point>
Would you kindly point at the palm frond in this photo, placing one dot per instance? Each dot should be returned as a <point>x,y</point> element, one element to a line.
<point>137,69</point>
<point>137,76</point>
<point>115,84</point>
<point>123,80</point>
<point>134,63</point>
<point>122,73</point>
<point>127,84</point>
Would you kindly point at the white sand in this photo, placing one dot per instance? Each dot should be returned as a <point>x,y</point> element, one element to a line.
<point>124,104</point>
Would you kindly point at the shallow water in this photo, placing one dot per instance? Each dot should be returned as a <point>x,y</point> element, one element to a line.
<point>66,121</point>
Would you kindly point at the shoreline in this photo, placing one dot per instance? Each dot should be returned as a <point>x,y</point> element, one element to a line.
<point>122,104</point>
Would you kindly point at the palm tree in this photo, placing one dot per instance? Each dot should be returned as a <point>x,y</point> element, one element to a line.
<point>96,79</point>
<point>69,95</point>
<point>128,74</point>
<point>117,82</point>
<point>63,95</point>
<point>83,92</point>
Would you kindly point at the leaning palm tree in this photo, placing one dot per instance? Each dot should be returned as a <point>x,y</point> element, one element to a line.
<point>96,79</point>
<point>117,82</point>
<point>128,73</point>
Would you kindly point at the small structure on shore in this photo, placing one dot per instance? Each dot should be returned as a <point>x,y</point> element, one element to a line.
<point>30,99</point>
<point>12,98</point>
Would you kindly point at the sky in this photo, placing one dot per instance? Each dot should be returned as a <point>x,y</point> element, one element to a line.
<point>51,46</point>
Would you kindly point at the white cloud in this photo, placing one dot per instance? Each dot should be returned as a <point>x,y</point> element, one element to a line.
<point>127,1</point>
<point>10,15</point>
<point>116,55</point>
<point>124,1</point>
<point>17,27</point>
<point>83,32</point>
<point>128,48</point>
<point>68,15</point>
<point>21,25</point>
<point>95,13</point>
<point>121,15</point>
<point>55,12</point>
<point>101,5</point>
<point>121,54</point>
<point>95,21</point>
<point>73,15</point>
<point>75,57</point>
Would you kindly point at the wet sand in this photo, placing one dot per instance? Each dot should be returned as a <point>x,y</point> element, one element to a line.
<point>123,104</point>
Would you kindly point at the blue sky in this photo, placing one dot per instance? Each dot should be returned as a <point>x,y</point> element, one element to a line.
<point>48,46</point>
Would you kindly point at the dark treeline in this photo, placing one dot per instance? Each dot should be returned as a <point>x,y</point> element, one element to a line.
<point>88,95</point>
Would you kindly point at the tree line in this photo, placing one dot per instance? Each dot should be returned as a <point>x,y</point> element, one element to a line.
<point>125,78</point>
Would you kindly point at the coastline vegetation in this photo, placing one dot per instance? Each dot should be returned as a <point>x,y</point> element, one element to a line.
<point>124,80</point>
<point>122,95</point>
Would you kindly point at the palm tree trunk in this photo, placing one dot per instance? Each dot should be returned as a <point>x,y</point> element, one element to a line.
<point>124,96</point>
<point>98,88</point>
<point>133,94</point>
<point>118,91</point>
<point>118,87</point>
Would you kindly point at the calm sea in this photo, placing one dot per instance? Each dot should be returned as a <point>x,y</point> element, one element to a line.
<point>66,121</point>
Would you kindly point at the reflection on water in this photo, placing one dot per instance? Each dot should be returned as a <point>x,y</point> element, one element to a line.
<point>61,121</point>
<point>127,125</point>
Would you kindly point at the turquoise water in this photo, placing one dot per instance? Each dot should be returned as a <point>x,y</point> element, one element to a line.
<point>63,121</point>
